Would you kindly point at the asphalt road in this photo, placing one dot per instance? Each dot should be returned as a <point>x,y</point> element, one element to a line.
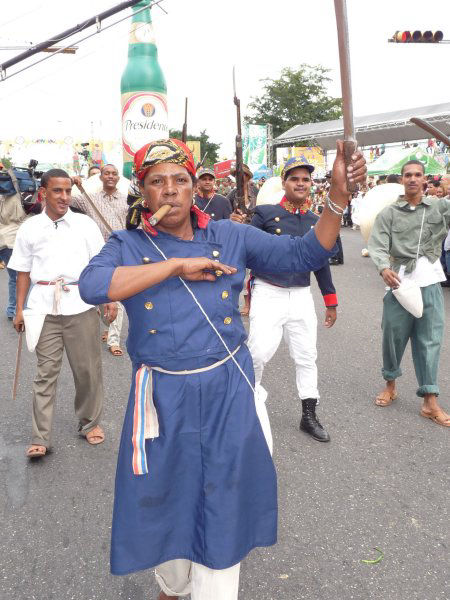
<point>382,481</point>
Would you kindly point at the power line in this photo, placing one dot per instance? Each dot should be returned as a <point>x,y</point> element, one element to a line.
<point>79,59</point>
<point>60,37</point>
<point>100,29</point>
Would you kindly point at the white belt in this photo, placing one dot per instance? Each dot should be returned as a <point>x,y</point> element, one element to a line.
<point>60,287</point>
<point>145,417</point>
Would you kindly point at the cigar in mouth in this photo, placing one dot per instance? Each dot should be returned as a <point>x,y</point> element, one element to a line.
<point>160,214</point>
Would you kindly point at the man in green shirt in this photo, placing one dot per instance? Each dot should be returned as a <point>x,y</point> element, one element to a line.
<point>405,244</point>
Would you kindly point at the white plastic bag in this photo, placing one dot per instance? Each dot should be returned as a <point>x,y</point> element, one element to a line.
<point>409,295</point>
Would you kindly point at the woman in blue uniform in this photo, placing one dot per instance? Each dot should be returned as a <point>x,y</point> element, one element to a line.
<point>195,483</point>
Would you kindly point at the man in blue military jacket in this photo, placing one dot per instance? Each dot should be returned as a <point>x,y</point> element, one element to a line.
<point>283,303</point>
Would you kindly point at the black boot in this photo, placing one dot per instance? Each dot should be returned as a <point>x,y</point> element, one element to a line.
<point>310,424</point>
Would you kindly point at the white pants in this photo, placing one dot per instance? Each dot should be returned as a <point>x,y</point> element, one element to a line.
<point>274,311</point>
<point>182,577</point>
<point>115,327</point>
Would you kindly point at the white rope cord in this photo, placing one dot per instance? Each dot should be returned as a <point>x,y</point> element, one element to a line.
<point>420,235</point>
<point>206,317</point>
<point>209,202</point>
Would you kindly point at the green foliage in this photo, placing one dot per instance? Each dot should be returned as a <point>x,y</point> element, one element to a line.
<point>6,162</point>
<point>297,97</point>
<point>211,149</point>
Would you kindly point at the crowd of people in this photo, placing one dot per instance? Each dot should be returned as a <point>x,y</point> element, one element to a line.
<point>88,258</point>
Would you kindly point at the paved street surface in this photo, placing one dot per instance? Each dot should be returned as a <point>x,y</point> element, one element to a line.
<point>382,481</point>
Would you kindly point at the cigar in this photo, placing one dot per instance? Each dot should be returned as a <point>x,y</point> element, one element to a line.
<point>160,214</point>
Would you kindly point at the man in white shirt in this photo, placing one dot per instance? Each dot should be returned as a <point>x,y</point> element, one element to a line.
<point>113,206</point>
<point>50,251</point>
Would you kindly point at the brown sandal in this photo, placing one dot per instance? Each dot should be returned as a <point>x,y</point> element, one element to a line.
<point>116,350</point>
<point>95,436</point>
<point>440,417</point>
<point>36,451</point>
<point>385,398</point>
<point>105,336</point>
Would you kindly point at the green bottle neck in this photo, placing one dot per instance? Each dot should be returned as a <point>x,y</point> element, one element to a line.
<point>142,41</point>
<point>142,50</point>
<point>143,16</point>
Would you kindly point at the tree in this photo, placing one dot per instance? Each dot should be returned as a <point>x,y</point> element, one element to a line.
<point>297,97</point>
<point>206,145</point>
<point>6,162</point>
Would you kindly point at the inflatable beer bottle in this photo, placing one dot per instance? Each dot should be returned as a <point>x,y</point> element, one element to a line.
<point>143,89</point>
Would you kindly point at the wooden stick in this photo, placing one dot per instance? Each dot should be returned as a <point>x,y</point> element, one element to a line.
<point>435,132</point>
<point>94,208</point>
<point>346,85</point>
<point>184,132</point>
<point>160,214</point>
<point>17,369</point>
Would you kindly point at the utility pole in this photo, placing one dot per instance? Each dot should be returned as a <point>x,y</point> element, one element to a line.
<point>50,43</point>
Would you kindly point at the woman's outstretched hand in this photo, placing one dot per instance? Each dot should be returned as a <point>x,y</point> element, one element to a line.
<point>202,269</point>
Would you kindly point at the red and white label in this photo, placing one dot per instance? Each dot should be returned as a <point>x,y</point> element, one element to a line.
<point>144,119</point>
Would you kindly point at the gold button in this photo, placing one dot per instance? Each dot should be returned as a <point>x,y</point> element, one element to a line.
<point>152,331</point>
<point>145,260</point>
<point>277,219</point>
<point>216,253</point>
<point>224,295</point>
<point>278,231</point>
<point>227,320</point>
<point>148,305</point>
<point>219,273</point>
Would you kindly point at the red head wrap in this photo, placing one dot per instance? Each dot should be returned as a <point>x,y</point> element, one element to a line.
<point>154,153</point>
<point>163,151</point>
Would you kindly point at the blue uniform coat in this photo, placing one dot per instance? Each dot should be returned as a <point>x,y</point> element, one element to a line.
<point>210,493</point>
<point>277,220</point>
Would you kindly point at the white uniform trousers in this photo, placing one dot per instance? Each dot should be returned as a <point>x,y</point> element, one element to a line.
<point>290,311</point>
<point>181,577</point>
<point>115,327</point>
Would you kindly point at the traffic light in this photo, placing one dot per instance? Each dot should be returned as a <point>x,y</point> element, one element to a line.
<point>417,37</point>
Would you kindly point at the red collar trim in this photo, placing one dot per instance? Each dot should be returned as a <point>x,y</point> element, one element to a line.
<point>291,208</point>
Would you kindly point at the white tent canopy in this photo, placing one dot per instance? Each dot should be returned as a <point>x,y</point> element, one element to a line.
<point>372,130</point>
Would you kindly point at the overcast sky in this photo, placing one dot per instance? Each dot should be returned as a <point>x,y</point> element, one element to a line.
<point>198,42</point>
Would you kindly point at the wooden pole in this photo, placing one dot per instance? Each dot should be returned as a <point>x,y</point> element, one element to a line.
<point>346,84</point>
